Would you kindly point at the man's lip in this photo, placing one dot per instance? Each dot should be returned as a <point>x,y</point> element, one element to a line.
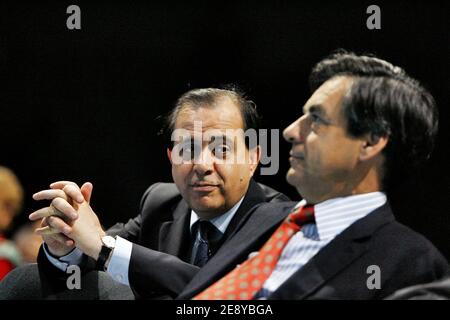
<point>203,184</point>
<point>296,155</point>
<point>204,187</point>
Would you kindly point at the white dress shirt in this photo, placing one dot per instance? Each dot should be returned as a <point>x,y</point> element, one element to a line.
<point>331,218</point>
<point>120,260</point>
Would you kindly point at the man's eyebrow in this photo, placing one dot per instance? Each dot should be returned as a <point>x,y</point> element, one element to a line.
<point>222,138</point>
<point>316,109</point>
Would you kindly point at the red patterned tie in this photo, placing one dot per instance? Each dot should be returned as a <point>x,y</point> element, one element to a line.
<point>245,281</point>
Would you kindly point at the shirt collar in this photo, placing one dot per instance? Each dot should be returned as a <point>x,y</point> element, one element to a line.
<point>335,215</point>
<point>221,222</point>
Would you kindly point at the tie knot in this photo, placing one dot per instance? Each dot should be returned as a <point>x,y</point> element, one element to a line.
<point>303,215</point>
<point>208,231</point>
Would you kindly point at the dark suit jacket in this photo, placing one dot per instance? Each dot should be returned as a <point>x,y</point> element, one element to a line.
<point>339,270</point>
<point>437,290</point>
<point>159,265</point>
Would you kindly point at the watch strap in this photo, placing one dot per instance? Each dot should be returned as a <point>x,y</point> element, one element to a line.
<point>102,257</point>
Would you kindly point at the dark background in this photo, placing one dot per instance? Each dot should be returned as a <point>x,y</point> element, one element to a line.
<point>81,105</point>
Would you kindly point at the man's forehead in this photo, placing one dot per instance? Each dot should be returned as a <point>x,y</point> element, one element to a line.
<point>223,114</point>
<point>195,127</point>
<point>213,135</point>
<point>329,94</point>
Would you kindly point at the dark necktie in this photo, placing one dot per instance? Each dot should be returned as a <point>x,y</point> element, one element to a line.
<point>209,238</point>
<point>245,281</point>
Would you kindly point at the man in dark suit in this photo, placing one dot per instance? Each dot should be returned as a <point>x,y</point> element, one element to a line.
<point>181,225</point>
<point>365,126</point>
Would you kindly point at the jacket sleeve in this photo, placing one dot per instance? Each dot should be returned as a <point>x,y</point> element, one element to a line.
<point>158,275</point>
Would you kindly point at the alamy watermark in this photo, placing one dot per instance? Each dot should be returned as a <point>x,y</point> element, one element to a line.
<point>74,20</point>
<point>374,280</point>
<point>226,146</point>
<point>74,280</point>
<point>374,20</point>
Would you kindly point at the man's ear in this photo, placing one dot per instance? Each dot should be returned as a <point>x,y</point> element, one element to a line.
<point>255,156</point>
<point>372,146</point>
<point>169,155</point>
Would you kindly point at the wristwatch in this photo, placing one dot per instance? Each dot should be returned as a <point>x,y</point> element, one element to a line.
<point>108,245</point>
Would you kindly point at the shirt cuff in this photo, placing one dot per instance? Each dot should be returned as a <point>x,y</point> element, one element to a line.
<point>75,257</point>
<point>120,261</point>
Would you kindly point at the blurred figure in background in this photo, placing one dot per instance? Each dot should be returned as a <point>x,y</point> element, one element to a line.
<point>28,242</point>
<point>11,198</point>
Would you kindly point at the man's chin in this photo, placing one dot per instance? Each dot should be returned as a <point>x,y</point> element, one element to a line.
<point>292,177</point>
<point>206,208</point>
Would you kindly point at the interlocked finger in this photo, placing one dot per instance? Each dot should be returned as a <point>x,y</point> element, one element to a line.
<point>62,239</point>
<point>64,209</point>
<point>74,192</point>
<point>47,230</point>
<point>62,184</point>
<point>45,212</point>
<point>50,194</point>
<point>55,225</point>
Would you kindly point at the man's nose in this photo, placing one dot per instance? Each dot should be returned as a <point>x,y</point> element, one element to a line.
<point>295,132</point>
<point>204,164</point>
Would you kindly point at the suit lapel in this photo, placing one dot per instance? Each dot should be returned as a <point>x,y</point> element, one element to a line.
<point>250,237</point>
<point>173,234</point>
<point>347,247</point>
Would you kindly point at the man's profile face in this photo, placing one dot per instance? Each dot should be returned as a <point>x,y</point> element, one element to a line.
<point>209,179</point>
<point>323,156</point>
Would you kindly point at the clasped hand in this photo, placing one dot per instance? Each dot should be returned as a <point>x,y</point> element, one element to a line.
<point>69,221</point>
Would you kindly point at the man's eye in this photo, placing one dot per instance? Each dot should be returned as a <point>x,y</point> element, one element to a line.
<point>222,149</point>
<point>188,151</point>
<point>315,118</point>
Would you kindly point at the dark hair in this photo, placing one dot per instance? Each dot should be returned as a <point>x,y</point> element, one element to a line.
<point>207,97</point>
<point>384,101</point>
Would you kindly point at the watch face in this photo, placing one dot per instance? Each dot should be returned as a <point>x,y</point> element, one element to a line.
<point>109,241</point>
